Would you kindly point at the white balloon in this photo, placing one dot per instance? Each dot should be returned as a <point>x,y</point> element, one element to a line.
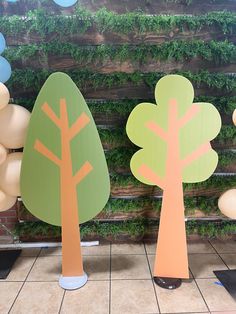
<point>227,203</point>
<point>4,96</point>
<point>3,154</point>
<point>14,122</point>
<point>10,174</point>
<point>6,201</point>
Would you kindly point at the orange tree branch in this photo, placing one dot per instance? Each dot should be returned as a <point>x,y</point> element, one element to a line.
<point>196,154</point>
<point>189,115</point>
<point>43,150</point>
<point>51,114</point>
<point>79,124</point>
<point>82,172</point>
<point>151,176</point>
<point>155,128</point>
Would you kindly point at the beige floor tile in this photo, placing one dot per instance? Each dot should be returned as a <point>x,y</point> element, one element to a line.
<point>129,267</point>
<point>38,298</point>
<point>46,268</point>
<point>202,265</point>
<point>97,267</point>
<point>92,250</point>
<point>217,298</point>
<point>151,259</point>
<point>151,248</point>
<point>20,269</point>
<point>224,246</point>
<point>50,251</point>
<point>223,312</point>
<point>200,246</point>
<point>230,260</point>
<point>92,298</point>
<point>186,298</point>
<point>30,252</point>
<point>8,293</point>
<point>127,249</point>
<point>103,249</point>
<point>133,297</point>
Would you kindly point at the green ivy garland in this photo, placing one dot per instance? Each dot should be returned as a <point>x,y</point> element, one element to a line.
<point>135,228</point>
<point>41,22</point>
<point>32,79</point>
<point>216,51</point>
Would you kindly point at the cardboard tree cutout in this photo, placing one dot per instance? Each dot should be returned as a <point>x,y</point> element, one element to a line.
<point>64,176</point>
<point>175,139</point>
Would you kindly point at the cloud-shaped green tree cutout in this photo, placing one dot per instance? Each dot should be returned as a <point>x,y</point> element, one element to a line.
<point>174,137</point>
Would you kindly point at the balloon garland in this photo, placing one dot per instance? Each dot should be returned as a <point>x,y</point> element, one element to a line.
<point>65,3</point>
<point>14,121</point>
<point>5,68</point>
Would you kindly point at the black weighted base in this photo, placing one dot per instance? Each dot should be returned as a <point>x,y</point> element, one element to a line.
<point>168,283</point>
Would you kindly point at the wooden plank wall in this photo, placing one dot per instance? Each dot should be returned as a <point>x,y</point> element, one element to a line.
<point>112,122</point>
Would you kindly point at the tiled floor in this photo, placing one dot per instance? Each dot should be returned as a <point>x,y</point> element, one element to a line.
<point>120,282</point>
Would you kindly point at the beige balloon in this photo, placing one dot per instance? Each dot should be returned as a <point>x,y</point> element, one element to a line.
<point>14,121</point>
<point>4,96</point>
<point>6,201</point>
<point>234,117</point>
<point>10,174</point>
<point>3,154</point>
<point>227,203</point>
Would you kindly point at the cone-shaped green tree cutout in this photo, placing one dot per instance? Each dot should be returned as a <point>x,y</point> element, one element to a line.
<point>175,139</point>
<point>64,175</point>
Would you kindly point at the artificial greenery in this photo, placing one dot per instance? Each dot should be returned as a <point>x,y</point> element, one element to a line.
<point>124,207</point>
<point>133,229</point>
<point>226,158</point>
<point>225,105</point>
<point>214,182</point>
<point>227,135</point>
<point>37,228</point>
<point>216,51</point>
<point>42,22</point>
<point>32,79</point>
<point>219,229</point>
<point>116,137</point>
<point>121,180</point>
<point>115,206</point>
<point>118,159</point>
<point>42,25</point>
<point>119,205</point>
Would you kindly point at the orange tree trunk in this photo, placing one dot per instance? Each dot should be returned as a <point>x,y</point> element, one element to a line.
<point>72,264</point>
<point>171,254</point>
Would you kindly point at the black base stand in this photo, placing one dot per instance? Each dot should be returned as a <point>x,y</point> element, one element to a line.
<point>168,283</point>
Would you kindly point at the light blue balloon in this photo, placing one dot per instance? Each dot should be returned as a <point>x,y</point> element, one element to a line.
<point>2,43</point>
<point>5,70</point>
<point>65,3</point>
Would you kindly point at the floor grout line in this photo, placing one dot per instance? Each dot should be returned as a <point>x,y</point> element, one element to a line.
<point>62,301</point>
<point>158,305</point>
<point>199,290</point>
<point>218,254</point>
<point>36,257</point>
